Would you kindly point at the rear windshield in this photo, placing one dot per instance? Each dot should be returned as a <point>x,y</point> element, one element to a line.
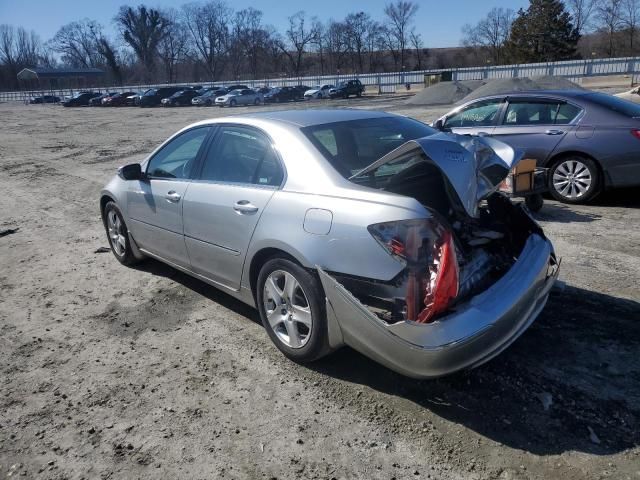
<point>350,146</point>
<point>624,107</point>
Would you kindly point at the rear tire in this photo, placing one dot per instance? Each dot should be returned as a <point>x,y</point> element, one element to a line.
<point>574,179</point>
<point>291,305</point>
<point>118,234</point>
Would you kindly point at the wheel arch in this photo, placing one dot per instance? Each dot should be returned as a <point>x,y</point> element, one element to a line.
<point>104,199</point>
<point>261,257</point>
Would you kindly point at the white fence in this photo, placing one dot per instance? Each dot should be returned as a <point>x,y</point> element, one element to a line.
<point>573,70</point>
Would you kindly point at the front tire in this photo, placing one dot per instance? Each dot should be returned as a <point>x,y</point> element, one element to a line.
<point>118,234</point>
<point>232,103</point>
<point>574,180</point>
<point>291,305</point>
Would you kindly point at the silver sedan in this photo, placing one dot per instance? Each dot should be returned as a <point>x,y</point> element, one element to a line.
<point>343,227</point>
<point>240,97</point>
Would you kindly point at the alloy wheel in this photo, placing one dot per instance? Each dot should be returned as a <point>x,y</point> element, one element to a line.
<point>116,233</point>
<point>572,179</point>
<point>287,309</point>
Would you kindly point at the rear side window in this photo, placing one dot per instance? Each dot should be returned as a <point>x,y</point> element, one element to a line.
<point>242,155</point>
<point>528,112</point>
<point>616,104</point>
<point>566,114</point>
<point>352,145</point>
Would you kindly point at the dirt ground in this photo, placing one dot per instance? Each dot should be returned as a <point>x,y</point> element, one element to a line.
<point>114,372</point>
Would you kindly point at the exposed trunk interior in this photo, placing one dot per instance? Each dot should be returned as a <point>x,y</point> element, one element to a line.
<point>485,247</point>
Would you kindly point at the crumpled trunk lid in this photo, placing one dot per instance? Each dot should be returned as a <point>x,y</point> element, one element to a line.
<point>473,166</point>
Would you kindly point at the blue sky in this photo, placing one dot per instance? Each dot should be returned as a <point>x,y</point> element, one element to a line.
<point>439,21</point>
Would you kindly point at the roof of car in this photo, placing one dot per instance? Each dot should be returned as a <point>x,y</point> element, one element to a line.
<point>307,117</point>
<point>541,93</point>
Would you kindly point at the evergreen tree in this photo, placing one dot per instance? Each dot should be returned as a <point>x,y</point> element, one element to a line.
<point>542,33</point>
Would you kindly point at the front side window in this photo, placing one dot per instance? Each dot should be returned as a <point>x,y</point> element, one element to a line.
<point>480,114</point>
<point>176,159</point>
<point>242,155</point>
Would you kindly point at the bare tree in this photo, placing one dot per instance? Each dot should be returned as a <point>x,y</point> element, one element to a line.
<point>375,42</point>
<point>110,56</point>
<point>358,25</point>
<point>320,43</point>
<point>490,33</point>
<point>299,36</point>
<point>630,15</point>
<point>76,43</point>
<point>173,47</point>
<point>581,12</point>
<point>608,16</point>
<point>19,48</point>
<point>143,29</point>
<point>399,19</point>
<point>208,26</point>
<point>418,46</point>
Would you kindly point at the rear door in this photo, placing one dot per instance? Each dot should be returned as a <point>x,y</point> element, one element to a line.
<point>475,118</point>
<point>155,203</point>
<point>240,173</point>
<point>536,125</point>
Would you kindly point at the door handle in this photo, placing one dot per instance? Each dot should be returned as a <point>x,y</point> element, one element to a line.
<point>245,207</point>
<point>173,196</point>
<point>554,132</point>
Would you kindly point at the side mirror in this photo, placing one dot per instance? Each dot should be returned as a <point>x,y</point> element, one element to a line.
<point>133,171</point>
<point>439,124</point>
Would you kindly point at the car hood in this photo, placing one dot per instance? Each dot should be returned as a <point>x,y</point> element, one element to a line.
<point>312,91</point>
<point>474,166</point>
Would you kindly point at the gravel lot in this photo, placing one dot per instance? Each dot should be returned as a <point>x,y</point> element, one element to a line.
<point>114,372</point>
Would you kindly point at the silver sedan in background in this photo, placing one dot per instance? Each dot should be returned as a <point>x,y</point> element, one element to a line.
<point>240,97</point>
<point>343,227</point>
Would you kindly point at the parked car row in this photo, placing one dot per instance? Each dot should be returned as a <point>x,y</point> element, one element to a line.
<point>230,96</point>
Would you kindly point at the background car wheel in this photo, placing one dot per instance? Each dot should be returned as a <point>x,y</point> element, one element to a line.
<point>118,235</point>
<point>232,103</point>
<point>209,103</point>
<point>291,305</point>
<point>257,101</point>
<point>574,179</point>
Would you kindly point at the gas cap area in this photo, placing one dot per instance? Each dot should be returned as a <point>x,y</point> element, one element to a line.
<point>318,221</point>
<point>584,132</point>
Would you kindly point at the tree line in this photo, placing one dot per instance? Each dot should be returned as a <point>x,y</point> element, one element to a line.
<point>552,30</point>
<point>209,40</point>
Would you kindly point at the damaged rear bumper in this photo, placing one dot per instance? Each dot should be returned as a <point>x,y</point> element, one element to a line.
<point>471,335</point>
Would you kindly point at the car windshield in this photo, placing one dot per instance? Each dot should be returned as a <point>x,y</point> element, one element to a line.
<point>234,93</point>
<point>148,93</point>
<point>352,145</point>
<point>619,105</point>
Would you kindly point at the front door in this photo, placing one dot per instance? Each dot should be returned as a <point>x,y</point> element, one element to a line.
<point>154,204</point>
<point>240,173</point>
<point>536,126</point>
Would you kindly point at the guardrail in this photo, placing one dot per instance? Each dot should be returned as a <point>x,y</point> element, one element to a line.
<point>572,70</point>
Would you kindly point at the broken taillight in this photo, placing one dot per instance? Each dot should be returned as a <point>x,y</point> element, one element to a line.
<point>427,249</point>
